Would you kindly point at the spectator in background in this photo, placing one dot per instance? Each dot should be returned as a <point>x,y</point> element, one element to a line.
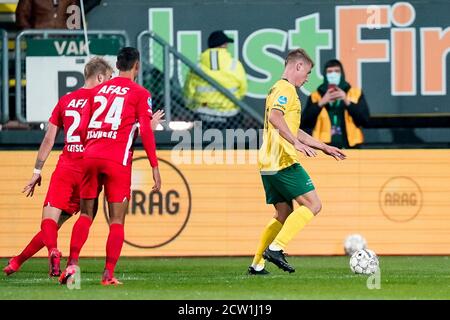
<point>43,14</point>
<point>209,106</point>
<point>335,113</point>
<point>48,14</point>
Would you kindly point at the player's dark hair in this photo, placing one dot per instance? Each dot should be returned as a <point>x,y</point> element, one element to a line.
<point>298,54</point>
<point>126,58</point>
<point>97,66</point>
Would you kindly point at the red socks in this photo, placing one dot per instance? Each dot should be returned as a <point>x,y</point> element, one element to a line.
<point>49,230</point>
<point>49,234</point>
<point>80,233</point>
<point>114,246</point>
<point>36,244</point>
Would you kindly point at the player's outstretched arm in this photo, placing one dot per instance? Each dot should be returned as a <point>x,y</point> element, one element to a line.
<point>43,153</point>
<point>148,141</point>
<point>305,138</point>
<point>277,120</point>
<point>334,152</point>
<point>144,113</point>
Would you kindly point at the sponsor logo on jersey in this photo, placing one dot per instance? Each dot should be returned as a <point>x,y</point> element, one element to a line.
<point>282,100</point>
<point>77,103</point>
<point>118,90</point>
<point>149,102</point>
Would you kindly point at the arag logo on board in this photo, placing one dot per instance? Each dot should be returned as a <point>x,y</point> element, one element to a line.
<point>400,199</point>
<point>155,219</point>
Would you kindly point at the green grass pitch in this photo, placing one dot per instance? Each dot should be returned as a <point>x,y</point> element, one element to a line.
<point>225,278</point>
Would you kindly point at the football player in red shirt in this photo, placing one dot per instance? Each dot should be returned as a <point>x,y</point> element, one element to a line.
<point>110,127</point>
<point>63,195</point>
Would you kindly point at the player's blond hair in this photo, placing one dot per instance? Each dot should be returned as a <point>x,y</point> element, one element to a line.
<point>298,54</point>
<point>95,66</point>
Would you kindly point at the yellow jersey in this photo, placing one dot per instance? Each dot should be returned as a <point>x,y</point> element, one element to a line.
<point>276,153</point>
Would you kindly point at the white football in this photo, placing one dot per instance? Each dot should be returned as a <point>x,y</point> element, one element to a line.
<point>364,262</point>
<point>353,243</point>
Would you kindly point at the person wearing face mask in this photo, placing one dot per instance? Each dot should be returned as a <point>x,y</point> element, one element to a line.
<point>336,111</point>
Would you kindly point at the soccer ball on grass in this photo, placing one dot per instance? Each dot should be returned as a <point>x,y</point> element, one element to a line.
<point>364,262</point>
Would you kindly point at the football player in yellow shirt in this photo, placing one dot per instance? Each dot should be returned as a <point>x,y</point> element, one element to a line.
<point>283,177</point>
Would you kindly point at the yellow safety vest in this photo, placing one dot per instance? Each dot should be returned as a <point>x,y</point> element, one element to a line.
<point>322,129</point>
<point>227,71</point>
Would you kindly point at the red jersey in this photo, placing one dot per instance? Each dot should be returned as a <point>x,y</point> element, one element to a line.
<point>116,110</point>
<point>67,114</point>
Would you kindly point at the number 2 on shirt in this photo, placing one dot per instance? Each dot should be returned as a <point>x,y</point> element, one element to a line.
<point>76,122</point>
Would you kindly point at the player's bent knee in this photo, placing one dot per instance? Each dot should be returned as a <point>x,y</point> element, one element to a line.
<point>315,208</point>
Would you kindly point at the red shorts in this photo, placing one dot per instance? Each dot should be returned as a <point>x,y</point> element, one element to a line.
<point>114,176</point>
<point>64,190</point>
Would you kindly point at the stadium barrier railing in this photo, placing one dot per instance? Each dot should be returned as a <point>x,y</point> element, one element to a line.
<point>46,34</point>
<point>4,76</point>
<point>164,72</point>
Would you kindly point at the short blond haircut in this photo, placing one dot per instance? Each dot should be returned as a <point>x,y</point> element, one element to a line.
<point>95,66</point>
<point>298,54</point>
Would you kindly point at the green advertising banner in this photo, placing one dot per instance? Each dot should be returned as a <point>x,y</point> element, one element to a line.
<point>71,47</point>
<point>396,51</point>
